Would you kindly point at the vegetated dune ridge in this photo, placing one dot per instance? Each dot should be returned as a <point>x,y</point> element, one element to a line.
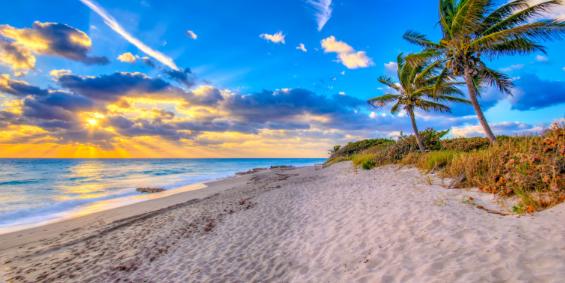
<point>335,224</point>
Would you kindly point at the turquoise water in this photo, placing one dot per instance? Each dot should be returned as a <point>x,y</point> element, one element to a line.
<point>37,190</point>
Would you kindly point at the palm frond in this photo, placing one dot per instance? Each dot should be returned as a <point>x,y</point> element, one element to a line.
<point>450,98</point>
<point>395,108</point>
<point>446,12</point>
<point>428,71</point>
<point>419,39</point>
<point>468,16</point>
<point>422,57</point>
<point>447,90</point>
<point>519,46</point>
<point>440,79</point>
<point>520,17</point>
<point>542,29</point>
<point>389,82</point>
<point>427,105</point>
<point>494,78</point>
<point>502,12</point>
<point>381,101</point>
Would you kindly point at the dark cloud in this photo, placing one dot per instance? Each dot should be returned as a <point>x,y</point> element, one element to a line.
<point>533,93</point>
<point>143,127</point>
<point>58,39</point>
<point>55,106</point>
<point>15,56</point>
<point>183,76</point>
<point>205,95</point>
<point>290,110</point>
<point>19,88</point>
<point>111,87</point>
<point>269,106</point>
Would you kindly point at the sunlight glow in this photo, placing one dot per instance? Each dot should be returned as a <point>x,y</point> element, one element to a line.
<point>93,119</point>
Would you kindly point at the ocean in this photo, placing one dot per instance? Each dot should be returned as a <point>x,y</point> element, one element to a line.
<point>38,191</point>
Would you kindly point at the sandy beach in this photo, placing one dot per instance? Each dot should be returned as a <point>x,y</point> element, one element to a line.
<point>308,224</point>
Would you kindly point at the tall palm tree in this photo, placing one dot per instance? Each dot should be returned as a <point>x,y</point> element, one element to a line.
<point>473,28</point>
<point>419,87</point>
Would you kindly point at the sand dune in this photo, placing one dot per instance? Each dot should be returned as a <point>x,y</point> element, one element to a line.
<point>334,224</point>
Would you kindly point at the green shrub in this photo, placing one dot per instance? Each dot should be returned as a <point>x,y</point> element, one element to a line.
<point>436,160</point>
<point>364,160</point>
<point>357,147</point>
<point>465,144</point>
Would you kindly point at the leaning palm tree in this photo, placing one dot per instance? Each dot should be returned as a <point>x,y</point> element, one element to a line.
<point>419,87</point>
<point>473,28</point>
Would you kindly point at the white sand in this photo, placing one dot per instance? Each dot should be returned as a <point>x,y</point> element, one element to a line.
<point>305,225</point>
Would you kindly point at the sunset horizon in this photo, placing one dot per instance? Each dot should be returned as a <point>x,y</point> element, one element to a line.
<point>110,82</point>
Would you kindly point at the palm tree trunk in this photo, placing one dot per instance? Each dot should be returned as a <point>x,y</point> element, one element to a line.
<point>415,128</point>
<point>477,107</point>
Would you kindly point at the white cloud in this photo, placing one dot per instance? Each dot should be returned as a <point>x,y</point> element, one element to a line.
<point>342,93</point>
<point>301,47</point>
<point>58,73</point>
<point>323,11</point>
<point>391,66</point>
<point>115,26</point>
<point>346,54</point>
<point>274,38</point>
<point>127,57</point>
<point>330,44</point>
<point>355,60</point>
<point>191,34</point>
<point>505,128</point>
<point>542,58</point>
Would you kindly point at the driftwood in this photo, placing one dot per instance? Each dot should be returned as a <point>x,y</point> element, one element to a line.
<point>491,210</point>
<point>150,190</point>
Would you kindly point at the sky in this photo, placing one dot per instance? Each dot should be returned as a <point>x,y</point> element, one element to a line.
<point>249,78</point>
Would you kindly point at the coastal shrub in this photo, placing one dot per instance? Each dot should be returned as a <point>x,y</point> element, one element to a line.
<point>406,144</point>
<point>335,160</point>
<point>436,160</point>
<point>335,149</point>
<point>531,168</point>
<point>411,158</point>
<point>432,138</point>
<point>465,144</point>
<point>357,147</point>
<point>429,161</point>
<point>365,161</point>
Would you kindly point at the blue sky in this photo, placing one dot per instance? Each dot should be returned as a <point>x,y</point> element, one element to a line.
<point>229,53</point>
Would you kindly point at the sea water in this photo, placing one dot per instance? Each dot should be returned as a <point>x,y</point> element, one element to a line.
<point>36,191</point>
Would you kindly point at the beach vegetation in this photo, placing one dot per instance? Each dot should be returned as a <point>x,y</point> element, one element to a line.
<point>529,168</point>
<point>357,147</point>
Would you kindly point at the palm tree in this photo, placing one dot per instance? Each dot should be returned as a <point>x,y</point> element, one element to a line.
<point>419,87</point>
<point>473,28</point>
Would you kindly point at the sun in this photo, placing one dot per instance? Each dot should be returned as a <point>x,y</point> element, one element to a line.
<point>92,122</point>
<point>93,119</point>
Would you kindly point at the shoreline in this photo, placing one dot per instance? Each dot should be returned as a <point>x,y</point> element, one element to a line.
<point>115,211</point>
<point>332,224</point>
